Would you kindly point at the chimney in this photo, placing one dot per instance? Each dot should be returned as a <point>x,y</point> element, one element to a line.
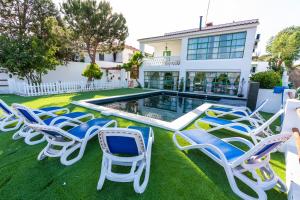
<point>200,23</point>
<point>209,24</point>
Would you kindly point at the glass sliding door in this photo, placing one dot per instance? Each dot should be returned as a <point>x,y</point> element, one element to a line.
<point>161,80</point>
<point>225,83</point>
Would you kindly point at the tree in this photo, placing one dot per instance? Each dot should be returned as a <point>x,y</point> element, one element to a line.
<point>33,39</point>
<point>285,47</point>
<point>92,71</point>
<point>96,25</point>
<point>133,65</point>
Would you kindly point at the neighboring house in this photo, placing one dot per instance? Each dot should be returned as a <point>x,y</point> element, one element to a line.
<point>3,81</point>
<point>109,64</point>
<point>118,57</point>
<point>215,59</point>
<point>259,66</point>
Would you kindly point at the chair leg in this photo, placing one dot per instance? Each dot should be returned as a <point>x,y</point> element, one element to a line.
<point>6,122</point>
<point>21,133</point>
<point>102,173</point>
<point>230,176</point>
<point>32,134</point>
<point>42,155</point>
<point>64,158</point>
<point>140,188</point>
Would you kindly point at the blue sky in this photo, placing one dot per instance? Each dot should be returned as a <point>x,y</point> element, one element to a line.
<point>155,17</point>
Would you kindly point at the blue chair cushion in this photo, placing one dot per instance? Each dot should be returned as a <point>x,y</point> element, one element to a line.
<point>49,109</point>
<point>223,109</point>
<point>81,130</point>
<point>27,115</point>
<point>73,115</point>
<point>3,107</point>
<point>220,121</point>
<point>127,145</point>
<point>201,137</point>
<point>145,133</point>
<point>267,149</point>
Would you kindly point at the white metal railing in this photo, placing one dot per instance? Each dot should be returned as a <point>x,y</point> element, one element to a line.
<point>161,61</point>
<point>25,89</point>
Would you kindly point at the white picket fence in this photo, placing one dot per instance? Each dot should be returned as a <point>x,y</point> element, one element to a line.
<point>25,89</point>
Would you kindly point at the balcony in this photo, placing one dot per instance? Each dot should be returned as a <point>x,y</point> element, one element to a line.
<point>163,61</point>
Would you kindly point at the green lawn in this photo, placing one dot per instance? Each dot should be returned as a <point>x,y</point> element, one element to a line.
<point>174,174</point>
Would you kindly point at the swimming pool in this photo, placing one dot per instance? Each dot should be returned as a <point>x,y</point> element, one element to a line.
<point>169,110</point>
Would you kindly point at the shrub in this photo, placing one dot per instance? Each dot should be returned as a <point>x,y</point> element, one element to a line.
<point>267,80</point>
<point>92,71</point>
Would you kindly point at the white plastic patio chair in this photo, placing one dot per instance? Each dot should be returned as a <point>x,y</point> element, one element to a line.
<point>29,116</point>
<point>63,143</point>
<point>126,147</point>
<point>10,121</point>
<point>256,132</point>
<point>237,162</point>
<point>244,113</point>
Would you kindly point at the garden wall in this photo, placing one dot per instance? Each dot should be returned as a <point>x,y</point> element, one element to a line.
<point>73,70</point>
<point>274,103</point>
<point>275,100</point>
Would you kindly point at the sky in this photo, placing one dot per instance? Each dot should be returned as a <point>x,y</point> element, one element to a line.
<point>147,18</point>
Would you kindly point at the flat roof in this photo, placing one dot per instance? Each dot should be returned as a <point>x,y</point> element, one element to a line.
<point>204,29</point>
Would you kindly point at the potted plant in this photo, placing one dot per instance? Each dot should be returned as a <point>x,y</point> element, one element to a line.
<point>92,72</point>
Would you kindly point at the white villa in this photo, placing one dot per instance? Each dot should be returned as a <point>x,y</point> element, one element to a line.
<point>215,59</point>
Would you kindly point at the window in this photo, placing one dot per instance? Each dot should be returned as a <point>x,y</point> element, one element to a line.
<point>225,46</point>
<point>253,68</point>
<point>101,56</point>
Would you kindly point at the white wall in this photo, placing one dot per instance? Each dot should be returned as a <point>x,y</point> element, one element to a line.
<point>126,55</point>
<point>260,66</point>
<point>274,103</point>
<point>173,46</point>
<point>73,70</point>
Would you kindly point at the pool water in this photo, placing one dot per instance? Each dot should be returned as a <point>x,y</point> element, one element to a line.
<point>164,106</point>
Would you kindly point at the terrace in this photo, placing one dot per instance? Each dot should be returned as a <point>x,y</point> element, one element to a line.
<point>174,174</point>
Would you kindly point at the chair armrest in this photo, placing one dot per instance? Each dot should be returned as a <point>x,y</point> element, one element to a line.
<point>239,139</point>
<point>52,123</point>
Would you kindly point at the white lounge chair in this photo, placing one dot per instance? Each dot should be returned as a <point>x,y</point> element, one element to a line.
<point>9,120</point>
<point>63,143</point>
<point>237,162</point>
<point>256,132</point>
<point>29,116</point>
<point>240,112</point>
<point>126,147</point>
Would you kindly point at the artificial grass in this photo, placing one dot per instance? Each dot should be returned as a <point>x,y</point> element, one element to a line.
<point>174,174</point>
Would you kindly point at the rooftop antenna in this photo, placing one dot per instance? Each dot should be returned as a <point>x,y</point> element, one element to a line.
<point>207,11</point>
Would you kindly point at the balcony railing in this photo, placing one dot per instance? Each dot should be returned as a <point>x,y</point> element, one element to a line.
<point>162,61</point>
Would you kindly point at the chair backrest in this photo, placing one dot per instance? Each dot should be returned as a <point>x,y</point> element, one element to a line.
<point>258,108</point>
<point>5,108</point>
<point>267,123</point>
<point>121,141</point>
<point>28,116</point>
<point>264,148</point>
<point>52,131</point>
